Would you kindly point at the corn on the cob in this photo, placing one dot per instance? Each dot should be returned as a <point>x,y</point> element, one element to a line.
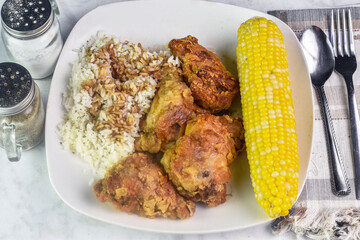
<point>268,115</point>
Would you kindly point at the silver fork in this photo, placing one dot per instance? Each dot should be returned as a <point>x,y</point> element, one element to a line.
<point>345,64</point>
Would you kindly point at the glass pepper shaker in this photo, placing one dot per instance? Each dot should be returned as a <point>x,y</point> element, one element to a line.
<point>31,35</point>
<point>22,113</point>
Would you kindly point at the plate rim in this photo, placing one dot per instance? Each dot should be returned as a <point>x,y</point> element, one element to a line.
<point>70,36</point>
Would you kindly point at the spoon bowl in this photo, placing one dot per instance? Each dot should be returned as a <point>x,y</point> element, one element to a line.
<point>320,59</point>
<point>319,55</point>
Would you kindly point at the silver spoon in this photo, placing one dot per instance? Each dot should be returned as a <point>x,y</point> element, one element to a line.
<point>320,59</point>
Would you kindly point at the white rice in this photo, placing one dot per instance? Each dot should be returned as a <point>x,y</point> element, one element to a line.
<point>77,132</point>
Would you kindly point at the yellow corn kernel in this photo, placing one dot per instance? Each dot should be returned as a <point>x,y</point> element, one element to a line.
<point>268,115</point>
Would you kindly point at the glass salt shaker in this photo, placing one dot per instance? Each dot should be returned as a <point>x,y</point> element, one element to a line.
<point>31,35</point>
<point>22,113</point>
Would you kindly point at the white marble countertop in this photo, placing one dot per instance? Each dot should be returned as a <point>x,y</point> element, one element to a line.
<point>30,208</point>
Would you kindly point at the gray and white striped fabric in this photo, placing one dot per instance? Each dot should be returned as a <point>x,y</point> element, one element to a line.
<point>318,213</point>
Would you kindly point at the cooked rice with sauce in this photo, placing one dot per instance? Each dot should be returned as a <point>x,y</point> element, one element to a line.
<point>110,89</point>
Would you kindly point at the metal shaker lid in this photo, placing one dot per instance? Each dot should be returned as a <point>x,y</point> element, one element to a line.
<point>17,88</point>
<point>26,18</point>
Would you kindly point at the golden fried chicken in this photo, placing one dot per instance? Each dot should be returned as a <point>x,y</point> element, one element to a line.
<point>212,86</point>
<point>139,185</point>
<point>198,163</point>
<point>172,106</point>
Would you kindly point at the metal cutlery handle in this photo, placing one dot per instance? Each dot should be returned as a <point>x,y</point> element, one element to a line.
<point>355,124</point>
<point>339,180</point>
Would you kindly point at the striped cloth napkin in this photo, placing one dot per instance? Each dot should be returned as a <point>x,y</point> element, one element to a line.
<point>318,213</point>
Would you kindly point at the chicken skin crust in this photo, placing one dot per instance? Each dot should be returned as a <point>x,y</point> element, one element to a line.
<point>198,163</point>
<point>139,185</point>
<point>171,108</point>
<point>212,86</point>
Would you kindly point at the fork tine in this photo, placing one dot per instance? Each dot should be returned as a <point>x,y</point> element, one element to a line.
<point>351,36</point>
<point>344,35</point>
<point>332,32</point>
<point>339,40</point>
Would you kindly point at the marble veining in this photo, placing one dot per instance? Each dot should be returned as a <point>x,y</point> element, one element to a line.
<point>30,208</point>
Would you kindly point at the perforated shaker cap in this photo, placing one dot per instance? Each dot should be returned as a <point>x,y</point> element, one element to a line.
<point>17,88</point>
<point>26,18</point>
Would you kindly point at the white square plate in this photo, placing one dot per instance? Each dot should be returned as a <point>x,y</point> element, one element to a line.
<point>155,23</point>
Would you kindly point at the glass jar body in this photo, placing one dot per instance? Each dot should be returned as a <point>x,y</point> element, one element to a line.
<point>38,55</point>
<point>28,124</point>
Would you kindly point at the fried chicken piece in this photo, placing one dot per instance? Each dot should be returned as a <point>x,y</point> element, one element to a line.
<point>212,86</point>
<point>198,163</point>
<point>171,108</point>
<point>139,185</point>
